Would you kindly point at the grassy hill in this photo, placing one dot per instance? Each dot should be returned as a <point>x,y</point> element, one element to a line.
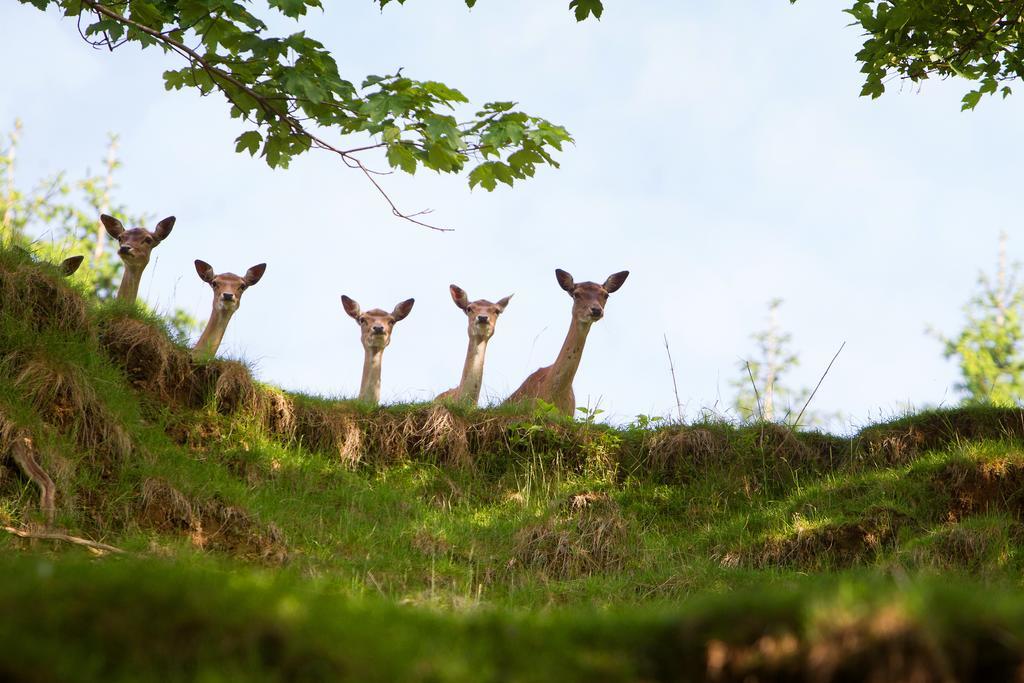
<point>272,536</point>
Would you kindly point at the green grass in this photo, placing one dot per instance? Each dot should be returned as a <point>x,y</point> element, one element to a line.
<point>519,542</point>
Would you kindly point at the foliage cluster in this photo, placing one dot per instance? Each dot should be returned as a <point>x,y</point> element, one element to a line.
<point>289,88</point>
<point>989,349</point>
<point>917,40</point>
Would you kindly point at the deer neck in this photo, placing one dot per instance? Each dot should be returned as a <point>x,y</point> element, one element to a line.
<point>369,387</point>
<point>129,289</point>
<point>564,369</point>
<point>210,340</point>
<point>473,371</point>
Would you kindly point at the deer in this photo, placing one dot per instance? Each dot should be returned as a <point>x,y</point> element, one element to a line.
<point>136,245</point>
<point>67,267</point>
<point>70,265</point>
<point>483,316</point>
<point>227,296</point>
<point>375,327</point>
<point>553,383</point>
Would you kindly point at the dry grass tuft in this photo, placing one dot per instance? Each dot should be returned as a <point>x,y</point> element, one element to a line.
<point>954,547</point>
<point>152,362</point>
<point>166,371</point>
<point>40,298</point>
<point>834,545</point>
<point>904,440</point>
<point>63,397</point>
<point>981,487</point>
<point>329,429</point>
<point>229,385</point>
<point>431,434</point>
<point>442,436</point>
<point>278,412</point>
<point>781,442</point>
<point>587,535</point>
<point>676,454</point>
<point>210,524</point>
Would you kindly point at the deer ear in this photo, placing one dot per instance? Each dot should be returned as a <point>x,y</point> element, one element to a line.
<point>69,265</point>
<point>615,281</point>
<point>254,274</point>
<point>163,228</point>
<point>564,280</point>
<point>113,226</point>
<point>205,271</point>
<point>403,309</point>
<point>503,303</point>
<point>459,296</point>
<point>351,307</point>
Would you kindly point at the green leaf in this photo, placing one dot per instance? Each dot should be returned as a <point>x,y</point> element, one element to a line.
<point>250,140</point>
<point>483,175</point>
<point>293,8</point>
<point>970,100</point>
<point>586,8</point>
<point>400,156</point>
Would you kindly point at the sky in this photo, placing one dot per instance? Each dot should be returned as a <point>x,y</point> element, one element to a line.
<point>722,156</point>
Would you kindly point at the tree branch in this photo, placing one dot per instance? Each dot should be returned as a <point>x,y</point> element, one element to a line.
<point>54,536</point>
<point>269,109</point>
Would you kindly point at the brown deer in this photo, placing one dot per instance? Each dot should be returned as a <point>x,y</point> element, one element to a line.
<point>136,246</point>
<point>483,316</point>
<point>375,326</point>
<point>227,296</point>
<point>553,384</point>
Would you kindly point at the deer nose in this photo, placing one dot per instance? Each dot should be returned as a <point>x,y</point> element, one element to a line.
<point>596,311</point>
<point>378,329</point>
<point>481,318</point>
<point>228,296</point>
<point>124,251</point>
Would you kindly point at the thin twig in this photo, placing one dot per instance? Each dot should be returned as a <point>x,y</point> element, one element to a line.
<point>757,395</point>
<point>818,385</point>
<point>53,536</point>
<point>675,387</point>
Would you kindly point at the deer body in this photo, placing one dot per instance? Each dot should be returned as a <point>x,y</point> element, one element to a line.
<point>375,327</point>
<point>227,296</point>
<point>136,246</point>
<point>553,383</point>
<point>483,316</point>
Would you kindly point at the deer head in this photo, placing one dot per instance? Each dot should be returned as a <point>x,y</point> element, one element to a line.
<point>482,314</point>
<point>228,287</point>
<point>69,265</point>
<point>589,298</point>
<point>376,324</point>
<point>137,244</point>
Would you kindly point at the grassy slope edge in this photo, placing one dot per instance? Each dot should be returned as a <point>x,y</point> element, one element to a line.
<point>231,493</point>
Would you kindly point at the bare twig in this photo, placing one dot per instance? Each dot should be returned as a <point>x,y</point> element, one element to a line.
<point>818,385</point>
<point>54,536</point>
<point>266,104</point>
<point>675,387</point>
<point>757,395</point>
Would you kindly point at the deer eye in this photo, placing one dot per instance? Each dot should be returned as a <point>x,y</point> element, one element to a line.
<point>148,240</point>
